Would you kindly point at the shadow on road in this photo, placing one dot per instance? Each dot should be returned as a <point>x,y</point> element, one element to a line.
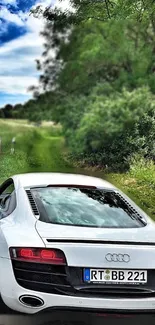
<point>9,317</point>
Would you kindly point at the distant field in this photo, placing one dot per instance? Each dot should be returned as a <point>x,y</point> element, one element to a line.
<point>22,123</point>
<point>36,148</point>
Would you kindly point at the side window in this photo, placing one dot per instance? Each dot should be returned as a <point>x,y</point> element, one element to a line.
<point>7,198</point>
<point>9,189</point>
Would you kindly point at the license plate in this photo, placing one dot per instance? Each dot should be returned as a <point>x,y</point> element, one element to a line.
<point>115,276</point>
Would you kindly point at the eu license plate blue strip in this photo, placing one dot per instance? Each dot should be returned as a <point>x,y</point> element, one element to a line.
<point>87,275</point>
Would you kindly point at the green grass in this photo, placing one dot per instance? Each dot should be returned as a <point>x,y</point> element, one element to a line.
<point>45,152</point>
<point>139,184</point>
<point>36,148</point>
<point>10,129</point>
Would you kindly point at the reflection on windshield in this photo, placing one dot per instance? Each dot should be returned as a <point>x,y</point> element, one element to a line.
<point>85,207</point>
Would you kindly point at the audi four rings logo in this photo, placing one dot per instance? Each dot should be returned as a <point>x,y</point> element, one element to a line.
<point>117,258</point>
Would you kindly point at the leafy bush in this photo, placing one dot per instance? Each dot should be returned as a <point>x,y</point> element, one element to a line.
<point>113,128</point>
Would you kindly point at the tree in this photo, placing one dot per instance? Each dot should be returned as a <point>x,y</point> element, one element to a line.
<point>8,111</point>
<point>2,113</point>
<point>101,10</point>
<point>78,56</point>
<point>97,72</point>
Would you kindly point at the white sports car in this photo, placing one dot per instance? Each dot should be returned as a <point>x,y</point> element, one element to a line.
<point>74,242</point>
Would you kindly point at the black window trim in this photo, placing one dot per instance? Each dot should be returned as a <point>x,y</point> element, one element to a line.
<point>6,184</point>
<point>13,200</point>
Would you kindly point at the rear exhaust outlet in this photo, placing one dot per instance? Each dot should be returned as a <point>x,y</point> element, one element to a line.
<point>31,301</point>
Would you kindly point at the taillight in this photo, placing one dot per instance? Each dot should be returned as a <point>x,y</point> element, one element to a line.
<point>38,255</point>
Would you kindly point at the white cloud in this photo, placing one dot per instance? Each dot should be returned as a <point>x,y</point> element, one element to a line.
<point>10,17</point>
<point>65,4</point>
<point>17,57</point>
<point>31,39</point>
<point>15,84</point>
<point>11,2</point>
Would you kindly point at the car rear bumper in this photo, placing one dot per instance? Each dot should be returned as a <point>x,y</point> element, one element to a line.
<point>53,302</point>
<point>11,291</point>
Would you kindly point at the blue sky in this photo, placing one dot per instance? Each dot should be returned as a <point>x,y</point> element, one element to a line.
<point>20,45</point>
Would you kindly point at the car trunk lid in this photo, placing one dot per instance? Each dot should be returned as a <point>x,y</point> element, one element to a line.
<point>88,247</point>
<point>53,232</point>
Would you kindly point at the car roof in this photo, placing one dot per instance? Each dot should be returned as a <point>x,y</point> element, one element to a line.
<point>45,179</point>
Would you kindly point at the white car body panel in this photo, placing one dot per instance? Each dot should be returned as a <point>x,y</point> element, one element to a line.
<point>93,256</point>
<point>83,247</point>
<point>144,234</point>
<point>44,179</point>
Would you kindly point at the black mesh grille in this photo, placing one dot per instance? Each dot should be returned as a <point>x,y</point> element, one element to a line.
<point>131,207</point>
<point>64,280</point>
<point>40,277</point>
<point>32,203</point>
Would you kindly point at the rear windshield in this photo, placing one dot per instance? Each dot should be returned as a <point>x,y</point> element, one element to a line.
<point>85,207</point>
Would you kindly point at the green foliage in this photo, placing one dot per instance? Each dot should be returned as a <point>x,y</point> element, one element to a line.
<point>138,183</point>
<point>103,95</point>
<point>114,127</point>
<point>81,11</point>
<point>115,52</point>
<point>119,52</point>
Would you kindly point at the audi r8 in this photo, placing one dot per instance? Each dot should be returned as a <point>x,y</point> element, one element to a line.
<point>70,241</point>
